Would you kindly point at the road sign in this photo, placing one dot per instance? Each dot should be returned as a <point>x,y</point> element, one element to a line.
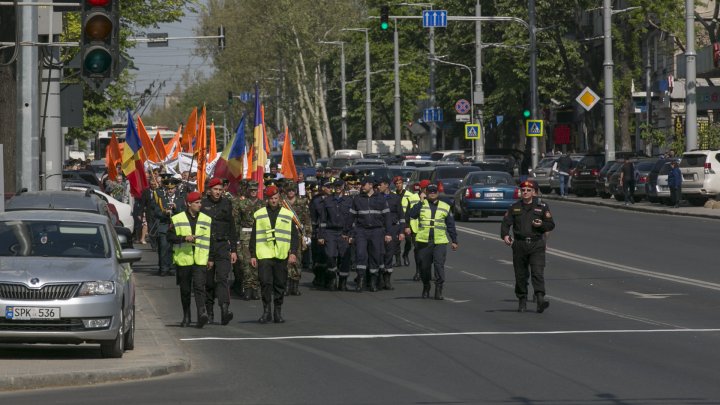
<point>433,114</point>
<point>245,96</point>
<point>434,18</point>
<point>472,131</point>
<point>462,106</point>
<point>587,99</point>
<point>533,127</point>
<point>462,117</point>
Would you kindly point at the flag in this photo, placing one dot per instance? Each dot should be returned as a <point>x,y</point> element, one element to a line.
<point>201,151</point>
<point>148,147</point>
<point>113,157</point>
<point>288,162</point>
<point>159,147</point>
<point>213,143</point>
<point>247,164</point>
<point>230,165</point>
<point>259,152</point>
<point>132,166</point>
<point>190,130</point>
<point>172,149</point>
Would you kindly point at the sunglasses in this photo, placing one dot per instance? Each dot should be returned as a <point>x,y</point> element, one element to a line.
<point>527,190</point>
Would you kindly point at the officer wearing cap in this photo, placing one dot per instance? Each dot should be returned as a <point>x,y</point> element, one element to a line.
<point>319,258</point>
<point>223,249</point>
<point>190,235</point>
<point>435,227</point>
<point>169,204</point>
<point>529,219</point>
<point>397,231</point>
<point>244,208</point>
<point>369,225</point>
<point>274,244</point>
<point>413,226</point>
<point>407,200</point>
<point>331,235</point>
<point>301,220</point>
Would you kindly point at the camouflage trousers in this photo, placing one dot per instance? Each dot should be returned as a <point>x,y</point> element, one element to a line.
<point>295,270</point>
<point>249,273</point>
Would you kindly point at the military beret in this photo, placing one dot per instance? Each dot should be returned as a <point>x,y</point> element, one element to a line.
<point>215,181</point>
<point>529,184</point>
<point>271,191</point>
<point>193,196</point>
<point>424,183</point>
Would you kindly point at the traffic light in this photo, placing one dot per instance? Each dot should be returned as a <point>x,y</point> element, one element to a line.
<point>384,19</point>
<point>100,42</point>
<point>230,97</point>
<point>526,113</point>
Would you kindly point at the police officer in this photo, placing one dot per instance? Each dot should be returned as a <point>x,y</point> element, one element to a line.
<point>320,260</point>
<point>169,205</point>
<point>331,235</point>
<point>407,200</point>
<point>223,249</point>
<point>274,244</point>
<point>529,219</point>
<point>435,226</point>
<point>413,227</point>
<point>299,206</point>
<point>190,234</point>
<point>397,231</point>
<point>369,226</point>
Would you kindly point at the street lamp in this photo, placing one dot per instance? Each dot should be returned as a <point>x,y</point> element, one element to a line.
<point>472,95</point>
<point>343,107</point>
<point>368,100</point>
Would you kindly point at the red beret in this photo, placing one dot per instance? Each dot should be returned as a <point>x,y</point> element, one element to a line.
<point>214,182</point>
<point>271,191</point>
<point>398,178</point>
<point>424,183</point>
<point>529,184</point>
<point>193,196</point>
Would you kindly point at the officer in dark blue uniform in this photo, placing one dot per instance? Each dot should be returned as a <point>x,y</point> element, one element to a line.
<point>397,228</point>
<point>529,219</point>
<point>334,211</point>
<point>369,226</point>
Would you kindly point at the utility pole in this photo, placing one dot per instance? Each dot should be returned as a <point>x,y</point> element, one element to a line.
<point>28,130</point>
<point>479,96</point>
<point>396,66</point>
<point>691,141</point>
<point>533,78</point>
<point>50,120</point>
<point>368,100</point>
<point>608,102</point>
<point>433,124</point>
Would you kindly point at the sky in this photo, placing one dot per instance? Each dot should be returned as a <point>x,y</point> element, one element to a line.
<point>167,64</point>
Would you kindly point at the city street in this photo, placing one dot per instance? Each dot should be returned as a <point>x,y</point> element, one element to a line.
<point>633,320</point>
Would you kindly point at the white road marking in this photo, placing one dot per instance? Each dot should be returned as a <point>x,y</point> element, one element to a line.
<point>503,261</point>
<point>456,301</point>
<point>651,296</point>
<point>473,275</point>
<point>442,334</point>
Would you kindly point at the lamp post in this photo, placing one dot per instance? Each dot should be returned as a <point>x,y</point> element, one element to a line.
<point>472,95</point>
<point>368,100</point>
<point>343,106</point>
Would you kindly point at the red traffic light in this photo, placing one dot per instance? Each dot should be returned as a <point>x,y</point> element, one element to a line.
<point>97,3</point>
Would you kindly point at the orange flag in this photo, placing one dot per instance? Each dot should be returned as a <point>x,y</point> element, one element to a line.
<point>113,156</point>
<point>250,168</point>
<point>172,148</point>
<point>147,144</point>
<point>159,147</point>
<point>201,151</point>
<point>190,131</point>
<point>288,162</point>
<point>213,143</point>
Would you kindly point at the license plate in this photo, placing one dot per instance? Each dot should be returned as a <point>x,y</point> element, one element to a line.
<point>664,188</point>
<point>31,313</point>
<point>689,177</point>
<point>493,195</point>
<point>585,173</point>
<point>540,174</point>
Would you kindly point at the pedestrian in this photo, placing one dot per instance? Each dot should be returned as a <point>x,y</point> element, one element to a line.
<point>525,166</point>
<point>300,207</point>
<point>628,175</point>
<point>319,259</point>
<point>331,236</point>
<point>562,167</point>
<point>529,219</point>
<point>436,228</point>
<point>413,225</point>
<point>244,208</point>
<point>407,200</point>
<point>397,232</point>
<point>274,244</point>
<point>190,234</point>
<point>223,249</point>
<point>675,183</point>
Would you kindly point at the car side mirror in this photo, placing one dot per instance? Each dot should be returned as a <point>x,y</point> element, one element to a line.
<point>130,256</point>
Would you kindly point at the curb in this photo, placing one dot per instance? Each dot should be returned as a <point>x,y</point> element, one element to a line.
<point>635,207</point>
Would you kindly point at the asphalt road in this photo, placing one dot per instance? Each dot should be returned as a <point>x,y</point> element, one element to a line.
<point>633,320</point>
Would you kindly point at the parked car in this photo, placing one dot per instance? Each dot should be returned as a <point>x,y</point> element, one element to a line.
<point>602,182</point>
<point>122,210</point>
<point>418,162</point>
<point>657,189</point>
<point>439,154</point>
<point>584,177</point>
<point>422,173</point>
<point>643,167</point>
<point>492,166</point>
<point>484,193</point>
<point>64,279</point>
<point>369,161</point>
<point>404,171</point>
<point>543,173</point>
<point>82,176</point>
<point>448,178</point>
<point>321,163</point>
<point>303,161</point>
<point>360,171</point>
<point>701,175</point>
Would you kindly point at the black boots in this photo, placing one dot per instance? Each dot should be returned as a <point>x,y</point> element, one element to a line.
<point>522,304</point>
<point>277,314</point>
<point>266,316</point>
<point>186,316</point>
<point>387,284</point>
<point>295,290</point>
<point>406,260</point>
<point>202,320</point>
<point>342,283</point>
<point>416,277</point>
<point>373,282</point>
<point>255,294</point>
<point>331,281</point>
<point>210,314</point>
<point>225,315</point>
<point>398,262</point>
<point>360,280</point>
<point>438,292</point>
<point>426,291</point>
<point>541,303</point>
<point>247,294</point>
<point>381,281</point>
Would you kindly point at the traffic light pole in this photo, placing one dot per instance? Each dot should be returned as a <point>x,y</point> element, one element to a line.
<point>28,129</point>
<point>478,96</point>
<point>533,79</point>
<point>396,68</point>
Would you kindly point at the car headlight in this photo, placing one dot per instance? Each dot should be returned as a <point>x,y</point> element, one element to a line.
<point>97,288</point>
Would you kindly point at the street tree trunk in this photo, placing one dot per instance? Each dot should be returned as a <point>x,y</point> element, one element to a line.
<point>303,111</point>
<point>323,111</point>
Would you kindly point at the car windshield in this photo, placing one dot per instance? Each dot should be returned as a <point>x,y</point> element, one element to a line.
<point>453,172</point>
<point>693,160</point>
<point>53,239</point>
<point>645,166</point>
<point>491,179</point>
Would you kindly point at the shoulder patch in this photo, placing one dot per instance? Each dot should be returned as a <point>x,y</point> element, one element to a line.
<point>548,215</point>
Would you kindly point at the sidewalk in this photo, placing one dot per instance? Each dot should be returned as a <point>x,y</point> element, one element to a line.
<point>156,353</point>
<point>642,206</point>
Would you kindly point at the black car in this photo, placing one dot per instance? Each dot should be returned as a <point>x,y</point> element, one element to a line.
<point>602,183</point>
<point>360,171</point>
<point>448,179</point>
<point>585,175</point>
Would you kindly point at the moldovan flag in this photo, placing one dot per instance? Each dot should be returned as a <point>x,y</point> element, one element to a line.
<point>113,157</point>
<point>190,130</point>
<point>132,165</point>
<point>260,153</point>
<point>159,147</point>
<point>289,171</point>
<point>233,159</point>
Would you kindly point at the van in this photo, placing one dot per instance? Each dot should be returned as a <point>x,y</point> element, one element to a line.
<point>701,175</point>
<point>348,154</point>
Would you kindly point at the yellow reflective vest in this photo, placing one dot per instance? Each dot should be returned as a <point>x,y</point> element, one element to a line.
<point>433,220</point>
<point>186,253</point>
<point>409,199</point>
<point>273,243</point>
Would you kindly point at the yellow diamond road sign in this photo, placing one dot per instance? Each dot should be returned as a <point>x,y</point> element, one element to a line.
<point>587,99</point>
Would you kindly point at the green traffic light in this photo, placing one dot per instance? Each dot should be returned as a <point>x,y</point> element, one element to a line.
<point>526,113</point>
<point>384,25</point>
<point>97,61</point>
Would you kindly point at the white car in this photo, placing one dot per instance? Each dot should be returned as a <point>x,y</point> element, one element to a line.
<point>701,175</point>
<point>124,211</point>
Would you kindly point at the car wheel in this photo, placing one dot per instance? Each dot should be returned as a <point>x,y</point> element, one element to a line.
<point>619,197</point>
<point>464,217</point>
<point>545,190</point>
<point>697,201</point>
<point>113,349</point>
<point>130,334</point>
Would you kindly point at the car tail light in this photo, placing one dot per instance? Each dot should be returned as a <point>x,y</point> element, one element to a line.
<point>574,173</point>
<point>469,193</point>
<point>643,179</point>
<point>595,172</point>
<point>708,168</point>
<point>516,193</point>
<point>441,188</point>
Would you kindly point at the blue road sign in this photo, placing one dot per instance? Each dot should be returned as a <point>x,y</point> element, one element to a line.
<point>472,131</point>
<point>245,96</point>
<point>433,114</point>
<point>533,127</point>
<point>275,143</point>
<point>434,18</point>
<point>462,106</point>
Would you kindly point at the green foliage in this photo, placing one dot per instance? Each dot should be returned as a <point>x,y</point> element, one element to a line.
<point>709,136</point>
<point>652,136</point>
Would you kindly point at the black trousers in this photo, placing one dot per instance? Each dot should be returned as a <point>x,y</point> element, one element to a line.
<point>431,255</point>
<point>675,193</point>
<point>369,249</point>
<point>529,259</point>
<point>273,277</point>
<point>165,253</point>
<point>192,279</point>
<point>392,248</point>
<point>629,191</point>
<point>217,277</point>
<point>337,251</point>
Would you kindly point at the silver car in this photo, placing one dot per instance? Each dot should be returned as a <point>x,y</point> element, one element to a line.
<point>65,279</point>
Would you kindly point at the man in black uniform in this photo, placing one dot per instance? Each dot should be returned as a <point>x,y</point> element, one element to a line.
<point>333,214</point>
<point>530,219</point>
<point>397,229</point>
<point>319,258</point>
<point>223,249</point>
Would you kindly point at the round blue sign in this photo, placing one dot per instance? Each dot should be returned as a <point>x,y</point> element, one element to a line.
<point>462,106</point>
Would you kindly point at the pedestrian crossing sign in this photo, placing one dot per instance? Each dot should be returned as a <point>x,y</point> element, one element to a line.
<point>533,127</point>
<point>472,131</point>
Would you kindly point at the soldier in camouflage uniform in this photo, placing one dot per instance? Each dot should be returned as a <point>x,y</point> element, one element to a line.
<point>244,207</point>
<point>300,206</point>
